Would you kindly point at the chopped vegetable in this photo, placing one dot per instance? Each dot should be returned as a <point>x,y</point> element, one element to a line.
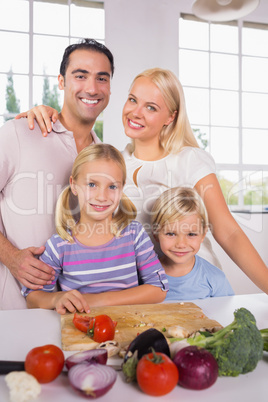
<point>102,328</point>
<point>157,374</point>
<point>22,386</point>
<point>92,379</point>
<point>237,348</point>
<point>90,356</point>
<point>198,368</point>
<point>82,322</point>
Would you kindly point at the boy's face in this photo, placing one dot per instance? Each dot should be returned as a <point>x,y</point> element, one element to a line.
<point>181,240</point>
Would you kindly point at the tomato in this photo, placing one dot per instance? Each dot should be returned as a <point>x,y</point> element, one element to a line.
<point>82,322</point>
<point>156,374</point>
<point>102,328</point>
<point>45,363</point>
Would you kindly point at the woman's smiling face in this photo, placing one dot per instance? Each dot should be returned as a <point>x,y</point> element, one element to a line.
<point>145,112</point>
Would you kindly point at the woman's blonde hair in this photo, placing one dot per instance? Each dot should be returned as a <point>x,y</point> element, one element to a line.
<point>67,208</point>
<point>175,204</point>
<point>179,132</point>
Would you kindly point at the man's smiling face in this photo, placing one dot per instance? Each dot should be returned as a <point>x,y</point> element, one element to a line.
<point>86,85</point>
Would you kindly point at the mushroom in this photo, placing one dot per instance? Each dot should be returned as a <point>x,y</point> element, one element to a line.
<point>177,332</point>
<point>112,347</point>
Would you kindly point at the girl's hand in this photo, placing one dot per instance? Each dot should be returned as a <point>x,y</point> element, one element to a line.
<point>71,301</point>
<point>44,115</point>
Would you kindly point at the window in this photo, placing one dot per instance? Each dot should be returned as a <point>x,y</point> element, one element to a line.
<point>33,36</point>
<point>223,69</point>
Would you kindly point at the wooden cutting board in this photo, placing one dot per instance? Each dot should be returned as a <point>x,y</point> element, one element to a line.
<point>135,319</point>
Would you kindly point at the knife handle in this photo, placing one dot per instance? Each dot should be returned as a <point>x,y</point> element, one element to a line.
<point>8,366</point>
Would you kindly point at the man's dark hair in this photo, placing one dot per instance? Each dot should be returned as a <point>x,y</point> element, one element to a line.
<point>88,44</point>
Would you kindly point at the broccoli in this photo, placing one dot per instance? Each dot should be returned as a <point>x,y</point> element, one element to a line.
<point>237,348</point>
<point>264,334</point>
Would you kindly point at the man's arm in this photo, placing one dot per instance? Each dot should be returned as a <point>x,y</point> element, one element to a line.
<point>24,265</point>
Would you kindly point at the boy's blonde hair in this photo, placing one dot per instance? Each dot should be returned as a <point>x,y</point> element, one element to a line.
<point>67,208</point>
<point>175,204</point>
<point>178,133</point>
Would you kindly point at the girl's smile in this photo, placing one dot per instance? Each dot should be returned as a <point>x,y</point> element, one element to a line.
<point>100,208</point>
<point>99,188</point>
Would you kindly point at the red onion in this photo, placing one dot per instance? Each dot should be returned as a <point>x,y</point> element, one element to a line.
<point>198,369</point>
<point>92,379</point>
<point>91,356</point>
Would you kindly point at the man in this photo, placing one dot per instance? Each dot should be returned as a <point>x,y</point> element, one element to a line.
<point>33,174</point>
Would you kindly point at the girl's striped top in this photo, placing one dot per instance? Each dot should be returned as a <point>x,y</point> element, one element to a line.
<point>124,262</point>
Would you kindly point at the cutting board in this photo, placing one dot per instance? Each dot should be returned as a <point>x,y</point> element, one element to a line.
<point>134,319</point>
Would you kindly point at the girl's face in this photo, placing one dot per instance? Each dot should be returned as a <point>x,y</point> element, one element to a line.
<point>99,189</point>
<point>181,240</point>
<point>145,112</point>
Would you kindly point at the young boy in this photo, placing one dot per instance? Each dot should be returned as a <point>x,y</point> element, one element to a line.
<point>180,222</point>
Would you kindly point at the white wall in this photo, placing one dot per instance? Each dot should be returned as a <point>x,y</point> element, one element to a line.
<point>144,34</point>
<point>256,228</point>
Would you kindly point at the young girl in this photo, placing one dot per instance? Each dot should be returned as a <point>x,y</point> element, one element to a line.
<point>100,254</point>
<point>179,223</point>
<point>164,154</point>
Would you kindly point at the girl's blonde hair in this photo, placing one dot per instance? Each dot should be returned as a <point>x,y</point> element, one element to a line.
<point>67,208</point>
<point>179,132</point>
<point>175,204</point>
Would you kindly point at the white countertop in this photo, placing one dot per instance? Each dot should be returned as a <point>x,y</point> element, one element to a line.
<point>21,330</point>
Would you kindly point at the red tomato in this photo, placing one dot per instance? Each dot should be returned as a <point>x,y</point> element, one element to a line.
<point>82,322</point>
<point>45,363</point>
<point>102,328</point>
<point>157,374</point>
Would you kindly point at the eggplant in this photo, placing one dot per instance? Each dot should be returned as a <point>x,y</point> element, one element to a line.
<point>7,366</point>
<point>141,345</point>
<point>151,338</point>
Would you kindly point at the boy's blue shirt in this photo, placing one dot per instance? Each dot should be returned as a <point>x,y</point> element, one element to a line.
<point>204,280</point>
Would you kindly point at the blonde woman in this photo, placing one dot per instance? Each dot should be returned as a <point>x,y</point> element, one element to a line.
<point>100,254</point>
<point>164,154</point>
<point>180,223</point>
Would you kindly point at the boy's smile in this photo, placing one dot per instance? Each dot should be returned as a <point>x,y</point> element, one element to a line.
<point>180,241</point>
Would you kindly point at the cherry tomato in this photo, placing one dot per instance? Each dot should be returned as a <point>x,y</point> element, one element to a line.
<point>102,328</point>
<point>156,374</point>
<point>82,322</point>
<point>45,363</point>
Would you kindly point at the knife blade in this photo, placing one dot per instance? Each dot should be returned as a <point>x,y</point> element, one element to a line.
<point>6,366</point>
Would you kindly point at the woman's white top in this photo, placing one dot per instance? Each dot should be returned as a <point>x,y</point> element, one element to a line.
<point>185,169</point>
